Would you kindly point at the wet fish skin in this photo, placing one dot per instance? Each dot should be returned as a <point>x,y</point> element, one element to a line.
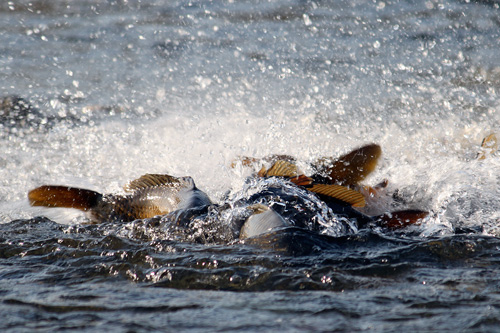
<point>147,196</point>
<point>263,220</point>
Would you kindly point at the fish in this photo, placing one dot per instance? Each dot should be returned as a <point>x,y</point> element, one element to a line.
<point>347,170</point>
<point>335,182</point>
<point>263,219</point>
<point>148,196</point>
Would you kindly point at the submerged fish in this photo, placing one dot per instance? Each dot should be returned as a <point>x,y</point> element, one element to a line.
<point>335,183</point>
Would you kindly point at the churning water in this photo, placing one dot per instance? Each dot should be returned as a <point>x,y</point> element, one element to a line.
<point>96,93</point>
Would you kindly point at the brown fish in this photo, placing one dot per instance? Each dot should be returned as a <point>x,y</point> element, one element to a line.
<point>148,196</point>
<point>347,170</point>
<point>337,183</point>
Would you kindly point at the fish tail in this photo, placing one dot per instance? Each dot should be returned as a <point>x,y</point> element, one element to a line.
<point>352,168</point>
<point>401,219</point>
<point>64,197</point>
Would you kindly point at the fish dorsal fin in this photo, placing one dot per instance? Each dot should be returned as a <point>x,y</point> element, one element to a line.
<point>281,168</point>
<point>351,168</point>
<point>342,193</point>
<point>488,146</point>
<point>153,180</point>
<point>286,169</point>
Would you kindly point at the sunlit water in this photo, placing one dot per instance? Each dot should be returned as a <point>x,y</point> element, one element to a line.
<point>124,88</point>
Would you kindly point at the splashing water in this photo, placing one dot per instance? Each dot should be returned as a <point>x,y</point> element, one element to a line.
<point>95,94</point>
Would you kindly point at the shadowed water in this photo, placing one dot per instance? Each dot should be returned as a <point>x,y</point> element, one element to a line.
<point>85,277</point>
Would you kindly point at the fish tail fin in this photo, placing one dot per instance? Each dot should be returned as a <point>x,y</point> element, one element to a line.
<point>351,168</point>
<point>64,197</point>
<point>401,219</point>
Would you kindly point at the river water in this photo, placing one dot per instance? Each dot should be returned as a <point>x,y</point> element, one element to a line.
<point>112,90</point>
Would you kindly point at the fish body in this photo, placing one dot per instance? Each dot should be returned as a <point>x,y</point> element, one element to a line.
<point>148,196</point>
<point>262,220</point>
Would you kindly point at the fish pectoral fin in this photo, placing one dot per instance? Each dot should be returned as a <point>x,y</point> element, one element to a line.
<point>64,197</point>
<point>401,219</point>
<point>286,169</point>
<point>372,191</point>
<point>338,192</point>
<point>351,168</point>
<point>301,180</point>
<point>152,180</point>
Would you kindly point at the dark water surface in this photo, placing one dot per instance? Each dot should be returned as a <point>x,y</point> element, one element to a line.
<point>96,93</point>
<point>64,277</point>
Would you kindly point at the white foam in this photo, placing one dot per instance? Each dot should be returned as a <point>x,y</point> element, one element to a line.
<point>434,166</point>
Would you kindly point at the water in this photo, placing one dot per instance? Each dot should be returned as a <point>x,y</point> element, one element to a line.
<point>124,88</point>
